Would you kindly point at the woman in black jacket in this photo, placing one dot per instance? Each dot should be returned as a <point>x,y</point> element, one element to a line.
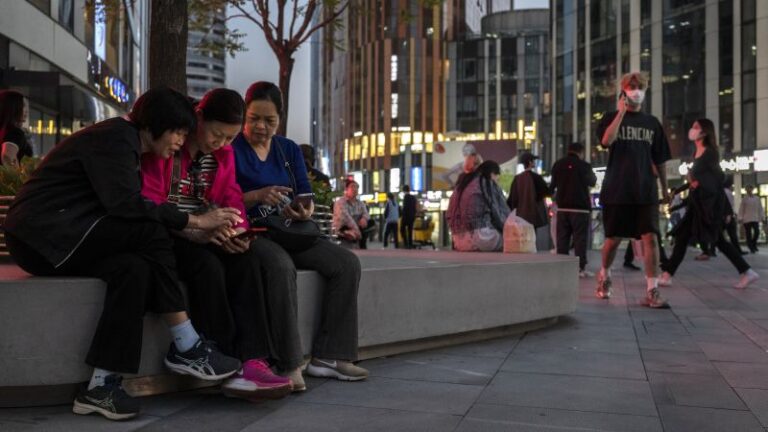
<point>13,113</point>
<point>707,207</point>
<point>82,214</point>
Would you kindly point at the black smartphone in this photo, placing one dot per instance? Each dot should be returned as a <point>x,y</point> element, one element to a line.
<point>303,200</point>
<point>621,94</point>
<point>250,233</point>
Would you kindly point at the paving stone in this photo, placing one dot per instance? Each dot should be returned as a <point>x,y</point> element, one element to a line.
<point>409,395</point>
<point>677,362</point>
<point>555,341</point>
<point>428,366</point>
<point>302,416</point>
<point>608,395</point>
<point>575,362</point>
<point>494,348</point>
<point>744,375</point>
<point>687,419</point>
<point>734,352</point>
<point>485,417</point>
<point>709,391</point>
<point>60,418</point>
<point>757,401</point>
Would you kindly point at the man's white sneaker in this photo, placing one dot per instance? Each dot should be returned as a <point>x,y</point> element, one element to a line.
<point>665,280</point>
<point>747,278</point>
<point>586,274</point>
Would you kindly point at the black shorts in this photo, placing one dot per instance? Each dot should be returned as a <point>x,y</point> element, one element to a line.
<point>630,220</point>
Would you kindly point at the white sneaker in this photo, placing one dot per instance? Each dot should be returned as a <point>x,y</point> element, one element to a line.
<point>747,278</point>
<point>586,274</point>
<point>665,279</point>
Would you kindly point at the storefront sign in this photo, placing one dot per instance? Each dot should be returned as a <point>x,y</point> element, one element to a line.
<point>761,160</point>
<point>733,164</point>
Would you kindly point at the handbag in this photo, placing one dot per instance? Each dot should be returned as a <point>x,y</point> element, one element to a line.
<point>291,234</point>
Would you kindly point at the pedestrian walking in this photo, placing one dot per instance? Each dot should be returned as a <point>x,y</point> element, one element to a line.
<point>732,226</point>
<point>571,179</point>
<point>707,209</point>
<point>750,214</point>
<point>408,217</point>
<point>527,193</point>
<point>391,218</point>
<point>13,113</point>
<point>638,150</point>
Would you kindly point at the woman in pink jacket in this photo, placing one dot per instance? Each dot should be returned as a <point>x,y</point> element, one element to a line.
<point>218,266</point>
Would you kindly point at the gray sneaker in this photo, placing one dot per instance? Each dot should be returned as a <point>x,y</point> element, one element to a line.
<point>603,287</point>
<point>653,300</point>
<point>339,369</point>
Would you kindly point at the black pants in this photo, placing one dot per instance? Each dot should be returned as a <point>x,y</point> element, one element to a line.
<point>336,337</point>
<point>226,297</point>
<point>753,233</point>
<point>406,232</point>
<point>683,236</point>
<point>573,225</point>
<point>365,233</point>
<point>390,229</point>
<point>136,261</point>
<point>732,230</point>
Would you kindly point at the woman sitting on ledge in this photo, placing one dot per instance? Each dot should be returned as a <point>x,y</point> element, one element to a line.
<point>82,214</point>
<point>477,210</point>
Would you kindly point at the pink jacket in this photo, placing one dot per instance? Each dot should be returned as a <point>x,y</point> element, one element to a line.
<point>156,174</point>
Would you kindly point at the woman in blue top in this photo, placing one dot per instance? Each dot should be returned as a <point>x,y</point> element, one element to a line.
<point>260,159</point>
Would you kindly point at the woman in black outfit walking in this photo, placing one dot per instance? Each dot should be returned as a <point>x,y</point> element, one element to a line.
<point>707,207</point>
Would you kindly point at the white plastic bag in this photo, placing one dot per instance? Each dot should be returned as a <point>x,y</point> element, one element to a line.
<point>519,235</point>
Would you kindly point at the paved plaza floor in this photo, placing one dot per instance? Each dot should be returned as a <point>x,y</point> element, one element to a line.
<point>611,366</point>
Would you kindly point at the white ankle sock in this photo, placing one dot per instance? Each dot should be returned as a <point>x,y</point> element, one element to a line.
<point>651,283</point>
<point>605,272</point>
<point>97,379</point>
<point>184,336</point>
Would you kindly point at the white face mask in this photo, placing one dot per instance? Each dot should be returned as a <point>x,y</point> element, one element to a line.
<point>635,96</point>
<point>694,134</point>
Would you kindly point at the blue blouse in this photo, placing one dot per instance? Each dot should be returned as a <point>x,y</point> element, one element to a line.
<point>252,173</point>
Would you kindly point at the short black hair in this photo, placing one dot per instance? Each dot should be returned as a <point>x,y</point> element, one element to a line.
<point>406,188</point>
<point>308,152</point>
<point>265,90</point>
<point>223,105</point>
<point>350,181</point>
<point>575,147</point>
<point>162,109</point>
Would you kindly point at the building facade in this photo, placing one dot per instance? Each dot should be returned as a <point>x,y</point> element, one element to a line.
<point>498,86</point>
<point>206,70</point>
<point>76,61</point>
<point>704,58</point>
<point>382,97</point>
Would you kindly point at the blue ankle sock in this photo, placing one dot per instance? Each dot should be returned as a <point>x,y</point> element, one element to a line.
<point>184,336</point>
<point>97,379</point>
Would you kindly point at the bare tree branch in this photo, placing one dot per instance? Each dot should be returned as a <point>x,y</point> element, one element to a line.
<point>293,17</point>
<point>323,23</point>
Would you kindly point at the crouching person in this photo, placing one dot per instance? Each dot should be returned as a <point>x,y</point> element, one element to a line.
<point>82,214</point>
<point>219,266</point>
<point>477,210</point>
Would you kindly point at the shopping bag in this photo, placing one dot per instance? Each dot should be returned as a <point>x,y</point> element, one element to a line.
<point>519,235</point>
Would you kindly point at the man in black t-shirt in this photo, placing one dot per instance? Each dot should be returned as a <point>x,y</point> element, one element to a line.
<point>638,149</point>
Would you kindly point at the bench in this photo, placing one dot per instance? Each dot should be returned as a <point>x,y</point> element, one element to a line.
<point>408,300</point>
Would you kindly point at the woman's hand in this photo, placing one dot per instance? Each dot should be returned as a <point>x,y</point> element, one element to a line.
<point>236,245</point>
<point>270,195</point>
<point>214,219</point>
<point>222,235</point>
<point>301,214</point>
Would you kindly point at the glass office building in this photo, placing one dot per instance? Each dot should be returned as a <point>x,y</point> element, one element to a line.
<point>704,59</point>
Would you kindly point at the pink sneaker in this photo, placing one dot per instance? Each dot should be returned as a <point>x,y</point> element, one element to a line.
<point>256,381</point>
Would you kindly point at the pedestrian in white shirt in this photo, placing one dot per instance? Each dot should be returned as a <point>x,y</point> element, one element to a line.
<point>750,214</point>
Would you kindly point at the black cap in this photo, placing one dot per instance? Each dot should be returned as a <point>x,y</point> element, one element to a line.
<point>527,158</point>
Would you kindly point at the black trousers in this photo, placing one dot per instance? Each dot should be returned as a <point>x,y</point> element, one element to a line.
<point>226,297</point>
<point>629,254</point>
<point>752,230</point>
<point>573,225</point>
<point>732,230</point>
<point>390,229</point>
<point>683,236</point>
<point>336,337</point>
<point>136,261</point>
<point>406,232</point>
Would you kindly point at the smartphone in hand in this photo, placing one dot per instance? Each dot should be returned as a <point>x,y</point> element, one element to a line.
<point>250,233</point>
<point>302,200</point>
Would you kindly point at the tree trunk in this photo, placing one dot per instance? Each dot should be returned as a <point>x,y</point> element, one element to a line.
<point>286,70</point>
<point>168,44</point>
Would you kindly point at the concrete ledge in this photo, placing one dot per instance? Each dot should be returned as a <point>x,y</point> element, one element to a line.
<point>408,300</point>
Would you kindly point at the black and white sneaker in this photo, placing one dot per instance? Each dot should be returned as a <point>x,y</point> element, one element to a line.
<point>109,400</point>
<point>204,361</point>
